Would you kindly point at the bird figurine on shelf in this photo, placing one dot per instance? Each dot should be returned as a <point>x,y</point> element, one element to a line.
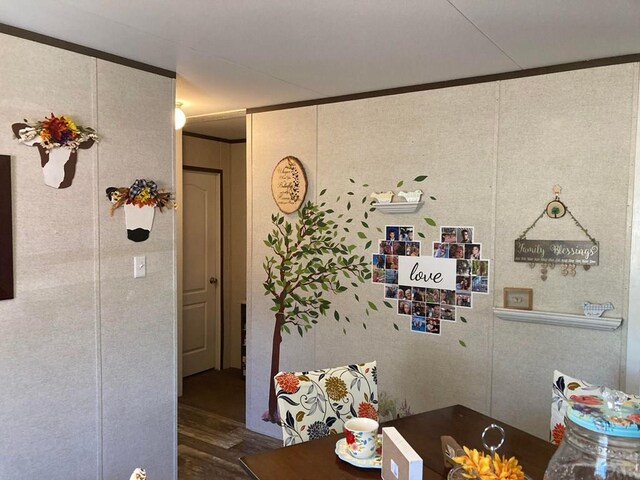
<point>596,309</point>
<point>138,474</point>
<point>411,196</point>
<point>383,197</point>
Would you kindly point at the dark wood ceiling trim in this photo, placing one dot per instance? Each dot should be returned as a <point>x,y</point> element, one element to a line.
<point>73,47</point>
<point>215,139</point>
<point>530,72</point>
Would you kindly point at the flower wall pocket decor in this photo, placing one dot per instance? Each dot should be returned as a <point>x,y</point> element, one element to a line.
<point>139,201</point>
<point>58,140</point>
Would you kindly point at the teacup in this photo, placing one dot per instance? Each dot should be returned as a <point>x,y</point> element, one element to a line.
<point>361,434</point>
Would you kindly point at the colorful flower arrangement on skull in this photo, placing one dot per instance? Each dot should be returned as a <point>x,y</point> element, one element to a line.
<point>141,193</point>
<point>55,132</point>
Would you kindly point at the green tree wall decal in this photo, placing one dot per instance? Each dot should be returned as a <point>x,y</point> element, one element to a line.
<point>312,258</point>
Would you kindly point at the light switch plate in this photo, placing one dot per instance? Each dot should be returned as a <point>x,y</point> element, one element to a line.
<point>139,267</point>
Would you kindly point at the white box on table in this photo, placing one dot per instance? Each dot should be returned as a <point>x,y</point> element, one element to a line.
<point>399,460</point>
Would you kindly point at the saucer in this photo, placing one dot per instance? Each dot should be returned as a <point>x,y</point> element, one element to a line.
<point>374,462</point>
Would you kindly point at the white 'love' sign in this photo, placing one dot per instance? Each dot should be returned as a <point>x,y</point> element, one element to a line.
<point>427,272</point>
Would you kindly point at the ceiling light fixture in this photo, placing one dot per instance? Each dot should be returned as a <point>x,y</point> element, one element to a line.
<point>180,117</point>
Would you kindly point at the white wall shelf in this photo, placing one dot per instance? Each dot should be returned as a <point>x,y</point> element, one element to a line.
<point>559,319</point>
<point>398,207</point>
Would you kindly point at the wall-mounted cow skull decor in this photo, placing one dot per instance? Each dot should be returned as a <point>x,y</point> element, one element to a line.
<point>58,140</point>
<point>139,201</point>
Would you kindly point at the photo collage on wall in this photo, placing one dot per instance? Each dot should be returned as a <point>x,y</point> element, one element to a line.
<point>429,307</point>
<point>472,271</point>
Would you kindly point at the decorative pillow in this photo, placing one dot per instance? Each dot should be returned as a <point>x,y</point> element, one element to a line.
<point>564,387</point>
<point>569,389</point>
<point>318,403</point>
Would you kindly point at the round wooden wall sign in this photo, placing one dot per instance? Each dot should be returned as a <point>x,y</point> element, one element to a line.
<point>289,184</point>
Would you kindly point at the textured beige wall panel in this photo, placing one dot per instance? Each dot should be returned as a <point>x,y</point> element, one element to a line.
<point>275,135</point>
<point>137,315</point>
<point>572,129</point>
<point>48,341</point>
<point>83,345</point>
<point>237,250</point>
<point>449,136</point>
<point>200,152</point>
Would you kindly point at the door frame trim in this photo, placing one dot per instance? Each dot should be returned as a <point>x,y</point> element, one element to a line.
<point>221,279</point>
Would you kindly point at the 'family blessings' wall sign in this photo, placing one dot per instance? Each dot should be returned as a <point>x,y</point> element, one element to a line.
<point>557,251</point>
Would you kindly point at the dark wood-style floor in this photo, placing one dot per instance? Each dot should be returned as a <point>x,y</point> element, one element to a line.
<point>211,431</point>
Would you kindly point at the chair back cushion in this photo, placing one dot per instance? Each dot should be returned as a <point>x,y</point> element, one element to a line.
<point>564,387</point>
<point>568,389</point>
<point>318,403</point>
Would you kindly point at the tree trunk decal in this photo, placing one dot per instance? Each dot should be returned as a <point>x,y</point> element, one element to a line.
<point>275,366</point>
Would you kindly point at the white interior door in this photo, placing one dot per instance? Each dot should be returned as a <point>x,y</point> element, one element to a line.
<point>201,271</point>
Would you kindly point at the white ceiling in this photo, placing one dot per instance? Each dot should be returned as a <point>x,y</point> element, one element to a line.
<point>236,54</point>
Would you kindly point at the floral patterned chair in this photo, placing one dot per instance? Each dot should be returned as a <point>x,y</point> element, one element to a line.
<point>564,389</point>
<point>568,389</point>
<point>318,403</point>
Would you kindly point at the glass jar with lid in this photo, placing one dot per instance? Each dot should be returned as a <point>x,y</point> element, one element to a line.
<point>601,439</point>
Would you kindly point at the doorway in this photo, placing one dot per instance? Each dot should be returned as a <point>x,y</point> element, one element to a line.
<point>212,403</point>
<point>202,333</point>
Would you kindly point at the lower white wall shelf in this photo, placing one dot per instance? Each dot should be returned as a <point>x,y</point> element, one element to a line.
<point>559,319</point>
<point>398,207</point>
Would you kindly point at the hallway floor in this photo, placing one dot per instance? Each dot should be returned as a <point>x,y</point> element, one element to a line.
<point>211,431</point>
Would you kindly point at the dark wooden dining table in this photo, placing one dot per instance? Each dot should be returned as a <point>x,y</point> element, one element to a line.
<point>316,459</point>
